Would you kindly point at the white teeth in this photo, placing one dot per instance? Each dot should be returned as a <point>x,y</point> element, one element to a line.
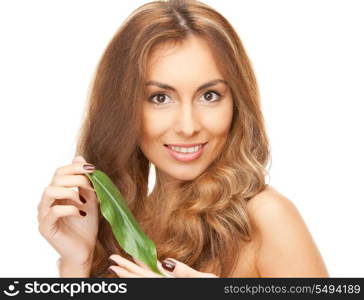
<point>186,150</point>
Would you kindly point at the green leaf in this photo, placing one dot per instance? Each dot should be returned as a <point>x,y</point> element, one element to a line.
<point>125,228</point>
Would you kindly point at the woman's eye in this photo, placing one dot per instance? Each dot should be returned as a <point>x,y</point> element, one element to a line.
<point>208,96</point>
<point>158,99</point>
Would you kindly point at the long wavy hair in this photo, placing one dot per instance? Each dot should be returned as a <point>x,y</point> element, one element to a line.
<point>209,222</point>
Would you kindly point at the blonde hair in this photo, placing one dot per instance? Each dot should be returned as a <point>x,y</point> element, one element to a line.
<point>206,228</point>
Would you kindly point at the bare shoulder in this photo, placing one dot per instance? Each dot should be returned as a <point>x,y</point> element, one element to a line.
<point>283,244</point>
<point>269,198</point>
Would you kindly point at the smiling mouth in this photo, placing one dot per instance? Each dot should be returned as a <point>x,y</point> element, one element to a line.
<point>185,148</point>
<point>185,152</point>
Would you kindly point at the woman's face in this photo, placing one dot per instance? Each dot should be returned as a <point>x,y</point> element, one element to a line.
<point>188,110</point>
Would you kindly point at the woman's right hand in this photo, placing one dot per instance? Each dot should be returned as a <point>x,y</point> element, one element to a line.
<point>71,234</point>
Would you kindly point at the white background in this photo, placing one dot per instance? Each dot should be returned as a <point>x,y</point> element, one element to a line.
<point>308,58</point>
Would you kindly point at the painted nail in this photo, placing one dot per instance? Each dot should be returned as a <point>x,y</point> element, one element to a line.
<point>169,265</point>
<point>82,199</point>
<point>89,167</point>
<point>82,213</point>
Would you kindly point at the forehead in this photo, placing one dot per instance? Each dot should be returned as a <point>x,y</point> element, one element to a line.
<point>192,57</point>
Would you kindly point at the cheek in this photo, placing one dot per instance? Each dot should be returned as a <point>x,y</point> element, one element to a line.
<point>218,120</point>
<point>155,124</point>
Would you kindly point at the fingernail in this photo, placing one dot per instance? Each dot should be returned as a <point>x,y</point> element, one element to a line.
<point>88,167</point>
<point>82,213</point>
<point>169,265</point>
<point>82,199</point>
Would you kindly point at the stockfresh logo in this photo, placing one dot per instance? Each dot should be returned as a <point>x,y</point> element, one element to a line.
<point>11,290</point>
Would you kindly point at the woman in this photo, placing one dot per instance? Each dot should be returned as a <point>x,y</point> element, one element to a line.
<point>175,88</point>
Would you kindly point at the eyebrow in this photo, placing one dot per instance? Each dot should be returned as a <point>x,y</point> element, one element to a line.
<point>203,86</point>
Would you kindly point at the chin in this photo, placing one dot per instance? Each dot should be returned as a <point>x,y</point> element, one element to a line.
<point>186,175</point>
<point>186,178</point>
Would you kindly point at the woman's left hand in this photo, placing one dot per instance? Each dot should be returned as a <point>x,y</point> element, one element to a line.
<point>124,268</point>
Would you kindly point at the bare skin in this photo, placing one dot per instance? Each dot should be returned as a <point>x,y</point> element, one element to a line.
<point>282,245</point>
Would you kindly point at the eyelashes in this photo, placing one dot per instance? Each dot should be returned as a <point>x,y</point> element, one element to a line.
<point>153,97</point>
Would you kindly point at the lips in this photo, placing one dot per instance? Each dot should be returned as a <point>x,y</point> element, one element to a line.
<point>185,156</point>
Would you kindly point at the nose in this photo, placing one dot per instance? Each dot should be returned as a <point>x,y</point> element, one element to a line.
<point>187,122</point>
